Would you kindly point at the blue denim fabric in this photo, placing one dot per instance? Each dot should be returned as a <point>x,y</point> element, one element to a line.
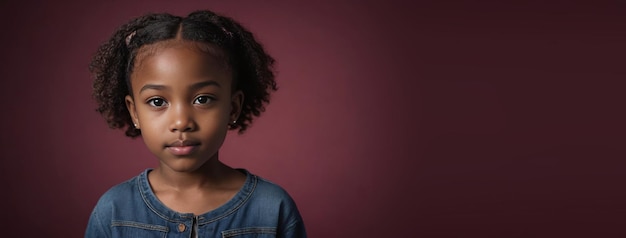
<point>259,209</point>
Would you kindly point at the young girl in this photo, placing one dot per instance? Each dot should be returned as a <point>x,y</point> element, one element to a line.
<point>181,83</point>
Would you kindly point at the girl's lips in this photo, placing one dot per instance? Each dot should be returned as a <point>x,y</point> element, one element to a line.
<point>181,150</point>
<point>182,143</point>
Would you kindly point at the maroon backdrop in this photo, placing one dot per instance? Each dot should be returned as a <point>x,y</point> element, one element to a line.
<point>430,119</point>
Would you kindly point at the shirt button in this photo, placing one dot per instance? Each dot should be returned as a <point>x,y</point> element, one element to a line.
<point>181,227</point>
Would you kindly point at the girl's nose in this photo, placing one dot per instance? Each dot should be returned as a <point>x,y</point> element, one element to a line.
<point>182,119</point>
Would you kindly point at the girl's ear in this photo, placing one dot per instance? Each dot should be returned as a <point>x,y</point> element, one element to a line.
<point>236,103</point>
<point>130,105</point>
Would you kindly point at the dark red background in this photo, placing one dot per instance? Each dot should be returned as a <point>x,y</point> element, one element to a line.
<point>429,119</point>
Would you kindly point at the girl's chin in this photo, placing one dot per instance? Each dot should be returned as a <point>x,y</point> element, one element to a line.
<point>185,165</point>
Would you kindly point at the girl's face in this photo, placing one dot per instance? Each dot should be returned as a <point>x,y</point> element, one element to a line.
<point>182,102</point>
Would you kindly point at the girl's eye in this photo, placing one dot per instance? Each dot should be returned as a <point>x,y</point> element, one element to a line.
<point>202,100</point>
<point>156,102</point>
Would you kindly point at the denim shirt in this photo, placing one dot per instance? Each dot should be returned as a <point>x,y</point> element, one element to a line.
<point>259,209</point>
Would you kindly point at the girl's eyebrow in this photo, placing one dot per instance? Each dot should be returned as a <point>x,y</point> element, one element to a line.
<point>152,86</point>
<point>195,86</point>
<point>203,84</point>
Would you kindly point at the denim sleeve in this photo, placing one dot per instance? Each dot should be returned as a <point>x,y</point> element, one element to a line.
<point>292,223</point>
<point>294,230</point>
<point>96,228</point>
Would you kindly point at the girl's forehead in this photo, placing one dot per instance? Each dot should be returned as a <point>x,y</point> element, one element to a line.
<point>213,53</point>
<point>179,61</point>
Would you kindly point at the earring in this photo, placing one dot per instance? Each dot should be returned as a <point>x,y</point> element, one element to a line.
<point>136,126</point>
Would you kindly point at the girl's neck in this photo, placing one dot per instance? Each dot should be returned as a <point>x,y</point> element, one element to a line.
<point>212,175</point>
<point>199,191</point>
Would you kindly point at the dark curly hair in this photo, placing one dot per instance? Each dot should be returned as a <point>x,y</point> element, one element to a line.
<point>112,65</point>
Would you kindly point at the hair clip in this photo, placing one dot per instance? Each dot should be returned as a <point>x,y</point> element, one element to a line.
<point>130,37</point>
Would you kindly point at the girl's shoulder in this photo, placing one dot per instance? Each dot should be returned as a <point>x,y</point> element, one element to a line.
<point>275,201</point>
<point>272,197</point>
<point>121,193</point>
<point>268,189</point>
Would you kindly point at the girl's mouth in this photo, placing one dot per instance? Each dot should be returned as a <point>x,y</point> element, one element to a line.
<point>181,150</point>
<point>182,147</point>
